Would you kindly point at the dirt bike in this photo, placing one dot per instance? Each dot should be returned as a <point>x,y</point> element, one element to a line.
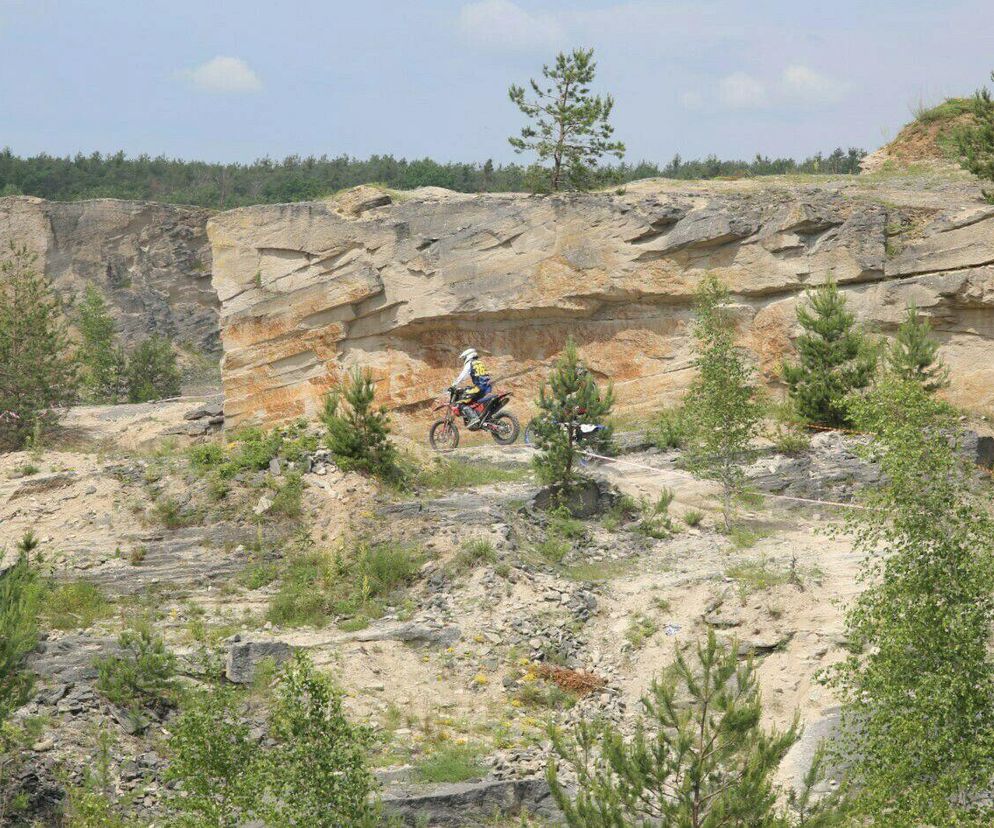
<point>502,425</point>
<point>583,435</point>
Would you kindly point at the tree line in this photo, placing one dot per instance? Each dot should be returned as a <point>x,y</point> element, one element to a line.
<point>296,178</point>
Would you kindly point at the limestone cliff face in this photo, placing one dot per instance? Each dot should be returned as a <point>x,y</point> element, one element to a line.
<point>310,290</point>
<point>151,261</point>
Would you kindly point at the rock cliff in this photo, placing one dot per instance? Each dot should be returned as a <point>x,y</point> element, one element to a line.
<point>309,290</point>
<point>151,261</point>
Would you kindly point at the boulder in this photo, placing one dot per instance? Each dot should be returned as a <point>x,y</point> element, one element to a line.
<point>469,803</point>
<point>244,657</point>
<point>358,200</point>
<point>584,499</point>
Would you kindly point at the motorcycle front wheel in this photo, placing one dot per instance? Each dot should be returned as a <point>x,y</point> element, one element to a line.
<point>443,435</point>
<point>504,429</point>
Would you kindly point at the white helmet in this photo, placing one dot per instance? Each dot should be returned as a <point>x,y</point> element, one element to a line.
<point>468,355</point>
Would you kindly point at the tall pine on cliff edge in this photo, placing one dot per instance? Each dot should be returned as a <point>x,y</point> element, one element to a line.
<point>569,126</point>
<point>835,358</point>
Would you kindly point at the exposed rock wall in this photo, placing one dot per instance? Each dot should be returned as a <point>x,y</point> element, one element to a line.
<point>310,290</point>
<point>151,261</point>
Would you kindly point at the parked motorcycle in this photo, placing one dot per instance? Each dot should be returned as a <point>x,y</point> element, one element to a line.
<point>502,425</point>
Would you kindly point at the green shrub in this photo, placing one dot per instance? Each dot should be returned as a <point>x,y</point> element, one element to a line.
<point>669,428</point>
<point>152,371</point>
<point>168,512</point>
<point>310,770</point>
<point>975,142</point>
<point>287,502</point>
<point>215,762</point>
<point>74,605</point>
<point>143,675</point>
<point>20,599</point>
<point>359,434</point>
<point>206,456</point>
<point>918,700</point>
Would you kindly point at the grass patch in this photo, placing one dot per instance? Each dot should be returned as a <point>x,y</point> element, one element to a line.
<point>75,606</point>
<point>450,763</point>
<point>27,470</point>
<point>596,571</point>
<point>553,548</point>
<point>543,696</point>
<point>693,517</point>
<point>744,537</point>
<point>443,475</point>
<point>357,582</point>
<point>641,628</point>
<point>474,553</point>
<point>258,575</point>
<point>288,500</point>
<point>168,512</point>
<point>758,576</point>
<point>945,111</point>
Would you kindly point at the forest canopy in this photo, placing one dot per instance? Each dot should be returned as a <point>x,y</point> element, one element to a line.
<point>267,181</point>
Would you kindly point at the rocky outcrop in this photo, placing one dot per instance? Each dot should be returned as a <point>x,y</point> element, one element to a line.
<point>152,262</point>
<point>308,291</point>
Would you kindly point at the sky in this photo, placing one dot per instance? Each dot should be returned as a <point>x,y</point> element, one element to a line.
<point>220,80</point>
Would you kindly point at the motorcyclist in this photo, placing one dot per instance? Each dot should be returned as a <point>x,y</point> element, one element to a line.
<point>480,385</point>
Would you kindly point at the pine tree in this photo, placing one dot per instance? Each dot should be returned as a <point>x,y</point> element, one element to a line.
<point>698,756</point>
<point>569,126</point>
<point>152,371</point>
<point>20,600</point>
<point>913,355</point>
<point>721,412</point>
<point>976,142</point>
<point>37,369</point>
<point>102,358</point>
<point>835,359</point>
<point>358,433</point>
<point>570,396</point>
<point>918,691</point>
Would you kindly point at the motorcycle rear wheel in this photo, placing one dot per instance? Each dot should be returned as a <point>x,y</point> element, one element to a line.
<point>443,435</point>
<point>505,429</point>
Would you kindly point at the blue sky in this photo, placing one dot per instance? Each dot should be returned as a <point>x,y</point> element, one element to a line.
<point>233,81</point>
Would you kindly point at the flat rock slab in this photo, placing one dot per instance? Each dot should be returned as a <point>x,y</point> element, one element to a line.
<point>471,803</point>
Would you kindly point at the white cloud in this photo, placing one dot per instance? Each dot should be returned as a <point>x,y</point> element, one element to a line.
<point>503,24</point>
<point>742,91</point>
<point>224,74</point>
<point>799,83</point>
